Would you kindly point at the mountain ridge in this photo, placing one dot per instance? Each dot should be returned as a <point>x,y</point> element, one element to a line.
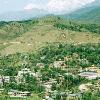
<point>89,13</point>
<point>37,13</point>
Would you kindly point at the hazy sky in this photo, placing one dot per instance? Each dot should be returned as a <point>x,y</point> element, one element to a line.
<point>54,6</point>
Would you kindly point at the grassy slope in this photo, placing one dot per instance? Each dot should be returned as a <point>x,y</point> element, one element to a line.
<point>44,32</point>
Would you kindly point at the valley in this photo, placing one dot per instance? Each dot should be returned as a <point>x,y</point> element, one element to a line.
<point>50,50</point>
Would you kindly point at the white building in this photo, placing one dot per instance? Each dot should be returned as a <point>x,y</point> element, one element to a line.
<point>93,68</point>
<point>4,79</point>
<point>59,64</point>
<point>1,90</point>
<point>23,72</point>
<point>89,75</point>
<point>47,87</point>
<point>40,65</point>
<point>19,94</point>
<point>85,87</point>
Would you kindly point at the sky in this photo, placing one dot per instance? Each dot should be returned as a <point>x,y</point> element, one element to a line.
<point>52,6</point>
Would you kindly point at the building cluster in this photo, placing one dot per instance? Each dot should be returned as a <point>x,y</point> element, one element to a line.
<point>19,79</point>
<point>89,73</point>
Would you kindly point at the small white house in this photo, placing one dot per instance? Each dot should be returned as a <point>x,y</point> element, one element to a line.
<point>40,65</point>
<point>5,79</point>
<point>47,87</point>
<point>83,88</point>
<point>59,64</point>
<point>93,68</point>
<point>75,96</point>
<point>23,72</point>
<point>19,94</point>
<point>89,75</point>
<point>1,90</point>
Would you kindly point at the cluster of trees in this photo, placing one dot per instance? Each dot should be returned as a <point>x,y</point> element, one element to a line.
<point>68,83</point>
<point>80,55</point>
<point>79,27</point>
<point>30,84</point>
<point>91,96</point>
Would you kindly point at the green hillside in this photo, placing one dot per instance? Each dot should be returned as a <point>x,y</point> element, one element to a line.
<point>9,30</point>
<point>88,15</point>
<point>27,36</point>
<point>91,16</point>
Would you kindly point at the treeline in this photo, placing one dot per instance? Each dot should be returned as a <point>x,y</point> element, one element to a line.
<point>78,27</point>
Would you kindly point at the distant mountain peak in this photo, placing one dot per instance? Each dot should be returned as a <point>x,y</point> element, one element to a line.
<point>89,13</point>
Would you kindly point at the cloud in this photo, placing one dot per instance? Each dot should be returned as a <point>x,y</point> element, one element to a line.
<point>30,6</point>
<point>6,2</point>
<point>59,6</point>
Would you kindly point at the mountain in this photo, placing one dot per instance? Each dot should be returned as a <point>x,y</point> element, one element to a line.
<point>89,13</point>
<point>95,4</point>
<point>90,16</point>
<point>23,15</point>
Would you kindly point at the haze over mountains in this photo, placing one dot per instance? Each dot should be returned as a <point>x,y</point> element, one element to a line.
<point>89,12</point>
